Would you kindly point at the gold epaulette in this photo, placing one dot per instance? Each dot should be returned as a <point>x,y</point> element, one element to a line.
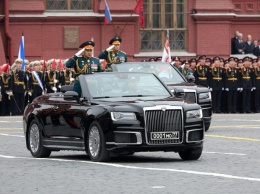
<point>123,52</point>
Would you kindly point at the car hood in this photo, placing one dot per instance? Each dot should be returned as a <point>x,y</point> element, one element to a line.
<point>131,104</point>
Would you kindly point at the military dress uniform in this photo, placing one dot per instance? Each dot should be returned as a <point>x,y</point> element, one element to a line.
<point>67,77</point>
<point>232,83</point>
<point>201,73</point>
<point>5,83</point>
<point>83,65</point>
<point>112,56</point>
<point>216,85</point>
<point>49,81</point>
<point>247,83</point>
<point>18,87</point>
<point>257,91</point>
<point>36,88</point>
<point>28,93</point>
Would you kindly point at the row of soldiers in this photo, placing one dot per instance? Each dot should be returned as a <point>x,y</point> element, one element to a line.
<point>234,83</point>
<point>19,86</point>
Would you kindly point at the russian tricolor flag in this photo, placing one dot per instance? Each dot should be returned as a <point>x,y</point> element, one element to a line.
<point>21,52</point>
<point>108,17</point>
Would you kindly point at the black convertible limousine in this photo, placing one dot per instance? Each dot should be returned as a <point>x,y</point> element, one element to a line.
<point>176,82</point>
<point>117,113</point>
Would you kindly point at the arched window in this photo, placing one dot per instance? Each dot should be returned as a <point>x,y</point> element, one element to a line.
<point>161,15</point>
<point>68,4</point>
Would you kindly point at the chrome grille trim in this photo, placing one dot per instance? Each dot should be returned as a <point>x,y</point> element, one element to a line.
<point>154,118</point>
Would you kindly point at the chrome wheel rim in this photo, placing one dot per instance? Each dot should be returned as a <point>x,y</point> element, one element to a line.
<point>34,138</point>
<point>94,141</point>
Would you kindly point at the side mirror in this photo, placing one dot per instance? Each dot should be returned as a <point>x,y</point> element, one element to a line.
<point>191,78</point>
<point>179,93</point>
<point>71,95</point>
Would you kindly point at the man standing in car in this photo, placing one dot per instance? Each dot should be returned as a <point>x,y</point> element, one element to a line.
<point>83,63</point>
<point>112,54</point>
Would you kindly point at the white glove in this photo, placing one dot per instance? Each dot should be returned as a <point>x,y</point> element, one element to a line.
<point>241,89</point>
<point>55,81</point>
<point>110,48</point>
<point>80,52</point>
<point>42,92</point>
<point>211,89</point>
<point>227,89</point>
<point>72,79</point>
<point>252,89</point>
<point>59,86</point>
<point>30,93</point>
<point>238,89</point>
<point>222,89</point>
<point>54,89</point>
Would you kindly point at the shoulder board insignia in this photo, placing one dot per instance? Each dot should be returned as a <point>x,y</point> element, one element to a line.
<point>122,52</point>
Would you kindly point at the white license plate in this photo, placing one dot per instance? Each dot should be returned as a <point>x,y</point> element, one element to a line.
<point>164,135</point>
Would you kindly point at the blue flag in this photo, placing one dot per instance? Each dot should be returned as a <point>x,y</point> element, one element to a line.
<point>21,52</point>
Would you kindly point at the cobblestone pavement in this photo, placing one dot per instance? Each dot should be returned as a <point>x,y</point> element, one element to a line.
<point>229,164</point>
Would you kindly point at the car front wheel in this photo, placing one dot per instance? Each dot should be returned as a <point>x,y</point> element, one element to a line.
<point>96,144</point>
<point>35,141</point>
<point>191,153</point>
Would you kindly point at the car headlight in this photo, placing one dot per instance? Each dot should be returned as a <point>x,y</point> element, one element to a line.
<point>192,114</point>
<point>127,116</point>
<point>204,96</point>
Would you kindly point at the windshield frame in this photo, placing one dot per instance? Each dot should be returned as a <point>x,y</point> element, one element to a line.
<point>145,65</point>
<point>94,90</point>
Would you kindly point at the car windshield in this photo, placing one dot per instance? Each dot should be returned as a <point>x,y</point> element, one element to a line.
<point>164,71</point>
<point>109,85</point>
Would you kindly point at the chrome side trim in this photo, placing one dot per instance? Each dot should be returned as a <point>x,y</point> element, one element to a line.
<point>61,141</point>
<point>65,147</point>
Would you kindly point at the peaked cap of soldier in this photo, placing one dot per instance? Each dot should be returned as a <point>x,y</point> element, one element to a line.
<point>115,40</point>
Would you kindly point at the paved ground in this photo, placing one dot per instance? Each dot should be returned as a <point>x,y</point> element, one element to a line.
<point>229,164</point>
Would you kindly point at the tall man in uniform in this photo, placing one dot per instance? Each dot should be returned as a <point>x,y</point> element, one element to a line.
<point>83,63</point>
<point>216,85</point>
<point>232,85</point>
<point>36,80</point>
<point>201,72</point>
<point>257,86</point>
<point>18,87</point>
<point>113,54</point>
<point>247,83</point>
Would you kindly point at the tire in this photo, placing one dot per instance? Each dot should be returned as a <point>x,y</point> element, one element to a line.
<point>36,141</point>
<point>191,153</point>
<point>96,144</point>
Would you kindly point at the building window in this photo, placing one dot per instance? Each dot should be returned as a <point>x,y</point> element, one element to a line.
<point>68,4</point>
<point>161,15</point>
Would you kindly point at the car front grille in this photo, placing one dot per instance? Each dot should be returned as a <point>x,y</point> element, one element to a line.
<point>162,121</point>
